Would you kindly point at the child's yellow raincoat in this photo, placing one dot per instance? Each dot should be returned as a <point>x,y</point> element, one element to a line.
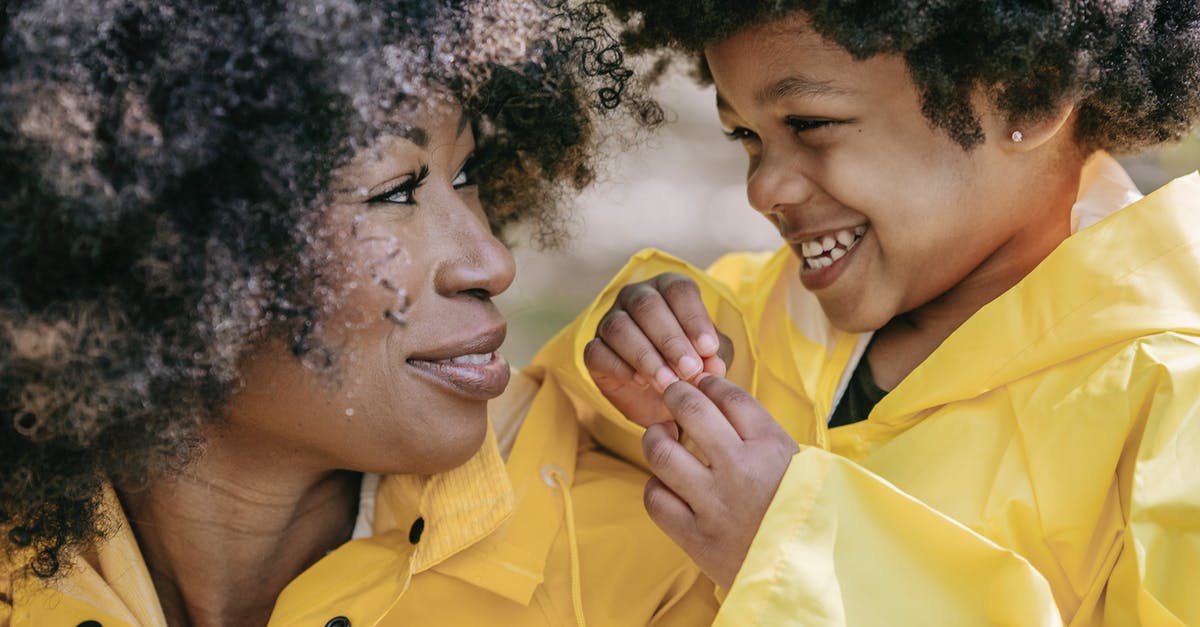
<point>1041,467</point>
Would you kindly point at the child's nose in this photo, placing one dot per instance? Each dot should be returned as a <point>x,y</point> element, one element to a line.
<point>776,182</point>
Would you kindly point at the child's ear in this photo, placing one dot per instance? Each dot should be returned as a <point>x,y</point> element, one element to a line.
<point>1027,134</point>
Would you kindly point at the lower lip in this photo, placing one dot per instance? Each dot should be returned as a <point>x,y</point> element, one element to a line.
<point>476,382</point>
<point>820,278</point>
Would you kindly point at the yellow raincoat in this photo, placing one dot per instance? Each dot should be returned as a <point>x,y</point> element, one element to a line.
<point>1041,467</point>
<point>555,535</point>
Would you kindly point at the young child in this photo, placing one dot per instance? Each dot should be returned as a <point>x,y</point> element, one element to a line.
<point>985,342</point>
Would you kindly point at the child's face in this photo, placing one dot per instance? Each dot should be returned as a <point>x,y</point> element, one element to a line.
<point>841,154</point>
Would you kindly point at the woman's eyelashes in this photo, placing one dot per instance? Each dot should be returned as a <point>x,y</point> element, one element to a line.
<point>404,192</point>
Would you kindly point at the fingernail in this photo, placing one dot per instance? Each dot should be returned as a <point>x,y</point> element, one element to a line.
<point>640,380</point>
<point>689,366</point>
<point>665,377</point>
<point>707,344</point>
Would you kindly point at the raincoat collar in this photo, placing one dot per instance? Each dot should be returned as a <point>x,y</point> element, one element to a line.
<point>1105,284</point>
<point>490,522</point>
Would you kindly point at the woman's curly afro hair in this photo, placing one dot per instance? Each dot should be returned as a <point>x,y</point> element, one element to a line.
<point>1132,66</point>
<point>163,164</point>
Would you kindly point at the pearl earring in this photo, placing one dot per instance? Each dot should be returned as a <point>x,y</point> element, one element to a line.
<point>1017,137</point>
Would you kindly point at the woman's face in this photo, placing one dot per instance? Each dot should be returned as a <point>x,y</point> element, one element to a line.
<point>415,334</point>
<point>886,212</point>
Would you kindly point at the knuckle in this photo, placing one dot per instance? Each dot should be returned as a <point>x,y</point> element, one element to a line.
<point>676,345</point>
<point>643,303</point>
<point>595,355</point>
<point>652,499</point>
<point>696,320</point>
<point>647,357</point>
<point>736,398</point>
<point>659,453</point>
<point>679,287</point>
<point>688,405</point>
<point>613,324</point>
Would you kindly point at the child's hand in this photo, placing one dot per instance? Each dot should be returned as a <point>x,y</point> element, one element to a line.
<point>713,511</point>
<point>656,333</point>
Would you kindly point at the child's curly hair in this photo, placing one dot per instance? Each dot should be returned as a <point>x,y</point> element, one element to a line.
<point>1132,67</point>
<point>163,164</point>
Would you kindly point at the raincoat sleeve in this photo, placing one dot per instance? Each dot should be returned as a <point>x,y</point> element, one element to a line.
<point>841,546</point>
<point>563,354</point>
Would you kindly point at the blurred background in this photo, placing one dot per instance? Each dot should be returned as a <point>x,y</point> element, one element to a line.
<point>683,191</point>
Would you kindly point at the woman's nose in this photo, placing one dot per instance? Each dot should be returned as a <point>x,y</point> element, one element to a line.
<point>480,265</point>
<point>777,180</point>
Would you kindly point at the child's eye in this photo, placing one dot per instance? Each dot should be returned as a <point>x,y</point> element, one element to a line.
<point>739,134</point>
<point>402,194</point>
<point>801,125</point>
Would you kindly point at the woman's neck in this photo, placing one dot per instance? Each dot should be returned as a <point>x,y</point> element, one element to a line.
<point>224,539</point>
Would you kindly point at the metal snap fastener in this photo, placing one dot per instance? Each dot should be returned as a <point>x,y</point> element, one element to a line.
<point>338,621</point>
<point>90,623</point>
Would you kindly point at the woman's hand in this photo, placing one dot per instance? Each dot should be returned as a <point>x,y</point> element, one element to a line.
<point>657,332</point>
<point>714,510</point>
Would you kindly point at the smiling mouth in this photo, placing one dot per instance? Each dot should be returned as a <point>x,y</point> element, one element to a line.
<point>472,369</point>
<point>479,376</point>
<point>821,252</point>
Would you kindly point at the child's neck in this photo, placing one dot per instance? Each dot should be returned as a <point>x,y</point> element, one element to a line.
<point>908,339</point>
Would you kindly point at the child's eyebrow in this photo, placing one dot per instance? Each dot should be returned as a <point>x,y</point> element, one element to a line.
<point>791,87</point>
<point>800,86</point>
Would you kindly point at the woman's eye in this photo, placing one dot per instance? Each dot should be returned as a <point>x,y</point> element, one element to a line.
<point>402,194</point>
<point>463,179</point>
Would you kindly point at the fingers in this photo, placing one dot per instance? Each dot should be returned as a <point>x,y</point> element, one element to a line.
<point>661,328</point>
<point>683,297</point>
<point>671,513</point>
<point>628,341</point>
<point>743,412</point>
<point>620,384</point>
<point>673,464</point>
<point>608,370</point>
<point>702,420</point>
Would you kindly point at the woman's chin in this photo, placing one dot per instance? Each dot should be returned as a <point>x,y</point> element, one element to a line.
<point>447,452</point>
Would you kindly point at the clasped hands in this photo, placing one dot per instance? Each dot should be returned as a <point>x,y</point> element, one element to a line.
<point>659,359</point>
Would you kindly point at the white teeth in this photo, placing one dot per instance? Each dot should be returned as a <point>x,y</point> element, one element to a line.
<point>822,252</point>
<point>473,360</point>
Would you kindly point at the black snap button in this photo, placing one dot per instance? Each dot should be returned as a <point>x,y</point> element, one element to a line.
<point>414,532</point>
<point>339,621</point>
<point>90,623</point>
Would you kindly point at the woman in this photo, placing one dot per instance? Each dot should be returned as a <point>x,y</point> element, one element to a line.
<point>984,340</point>
<point>247,339</point>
